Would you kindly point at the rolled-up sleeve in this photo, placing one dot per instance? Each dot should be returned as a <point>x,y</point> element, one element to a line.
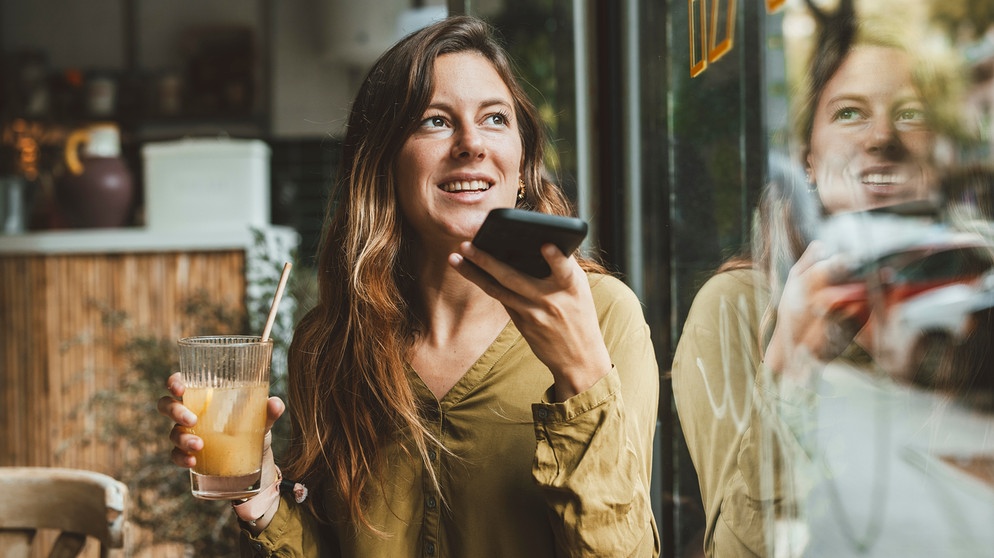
<point>594,450</point>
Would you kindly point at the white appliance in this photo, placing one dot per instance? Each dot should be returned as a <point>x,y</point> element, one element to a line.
<point>206,184</point>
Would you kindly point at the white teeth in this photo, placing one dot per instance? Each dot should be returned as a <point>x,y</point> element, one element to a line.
<point>883,179</point>
<point>466,186</point>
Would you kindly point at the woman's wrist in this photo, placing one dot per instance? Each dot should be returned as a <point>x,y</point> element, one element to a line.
<point>580,380</point>
<point>260,523</point>
<point>257,511</point>
<point>564,390</point>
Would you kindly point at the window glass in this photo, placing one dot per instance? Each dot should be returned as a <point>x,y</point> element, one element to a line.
<point>868,131</point>
<point>539,36</point>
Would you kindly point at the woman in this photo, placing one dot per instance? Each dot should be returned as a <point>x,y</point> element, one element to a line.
<point>761,324</point>
<point>419,387</point>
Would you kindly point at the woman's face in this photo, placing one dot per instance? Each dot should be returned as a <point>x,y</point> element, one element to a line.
<point>870,145</point>
<point>465,157</point>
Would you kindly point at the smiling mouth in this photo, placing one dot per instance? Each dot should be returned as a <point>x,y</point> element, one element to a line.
<point>883,183</point>
<point>466,186</point>
<point>879,179</point>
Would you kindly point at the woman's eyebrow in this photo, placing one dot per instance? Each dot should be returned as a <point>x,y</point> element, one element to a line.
<point>909,100</point>
<point>846,98</point>
<point>492,102</point>
<point>442,105</point>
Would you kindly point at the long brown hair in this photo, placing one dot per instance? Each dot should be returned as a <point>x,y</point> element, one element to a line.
<point>349,394</point>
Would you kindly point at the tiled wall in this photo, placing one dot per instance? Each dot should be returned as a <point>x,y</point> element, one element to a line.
<point>302,175</point>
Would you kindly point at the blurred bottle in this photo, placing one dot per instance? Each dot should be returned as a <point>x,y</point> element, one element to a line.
<point>13,204</point>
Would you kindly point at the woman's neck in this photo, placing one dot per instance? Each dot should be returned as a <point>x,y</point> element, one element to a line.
<point>459,322</point>
<point>450,303</point>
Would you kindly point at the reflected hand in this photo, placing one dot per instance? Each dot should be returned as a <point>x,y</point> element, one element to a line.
<point>819,313</point>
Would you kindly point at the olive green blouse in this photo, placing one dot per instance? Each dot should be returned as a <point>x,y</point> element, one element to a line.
<point>518,475</point>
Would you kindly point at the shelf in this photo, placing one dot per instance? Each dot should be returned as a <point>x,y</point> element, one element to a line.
<point>136,239</point>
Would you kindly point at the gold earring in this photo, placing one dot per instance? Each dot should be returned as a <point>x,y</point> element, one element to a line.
<point>521,190</point>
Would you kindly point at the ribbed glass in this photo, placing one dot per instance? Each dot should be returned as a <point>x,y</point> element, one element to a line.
<point>224,360</point>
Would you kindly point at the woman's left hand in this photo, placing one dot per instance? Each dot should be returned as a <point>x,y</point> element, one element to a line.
<point>556,315</point>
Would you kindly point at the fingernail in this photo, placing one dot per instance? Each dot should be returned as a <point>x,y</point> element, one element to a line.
<point>189,418</point>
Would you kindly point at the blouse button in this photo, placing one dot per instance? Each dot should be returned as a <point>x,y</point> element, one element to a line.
<point>543,413</point>
<point>430,549</point>
<point>431,502</point>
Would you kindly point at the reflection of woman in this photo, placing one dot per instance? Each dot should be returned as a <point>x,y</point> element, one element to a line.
<point>888,469</point>
<point>438,411</point>
<point>865,145</point>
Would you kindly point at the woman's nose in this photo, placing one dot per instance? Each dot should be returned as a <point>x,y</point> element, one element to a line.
<point>883,135</point>
<point>468,143</point>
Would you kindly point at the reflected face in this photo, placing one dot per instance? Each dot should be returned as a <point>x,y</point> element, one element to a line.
<point>870,145</point>
<point>465,157</point>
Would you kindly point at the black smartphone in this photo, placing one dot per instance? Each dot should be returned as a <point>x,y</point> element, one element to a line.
<point>515,237</point>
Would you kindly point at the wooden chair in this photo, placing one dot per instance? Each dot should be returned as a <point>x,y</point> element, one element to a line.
<point>72,503</point>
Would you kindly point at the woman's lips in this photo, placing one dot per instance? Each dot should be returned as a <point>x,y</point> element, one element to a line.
<point>466,186</point>
<point>883,182</point>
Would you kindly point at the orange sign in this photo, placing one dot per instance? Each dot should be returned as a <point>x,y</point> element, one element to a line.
<point>712,32</point>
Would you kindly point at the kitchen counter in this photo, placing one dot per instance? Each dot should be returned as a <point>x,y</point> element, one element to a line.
<point>138,240</point>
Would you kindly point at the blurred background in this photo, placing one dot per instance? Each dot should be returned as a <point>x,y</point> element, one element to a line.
<point>223,119</point>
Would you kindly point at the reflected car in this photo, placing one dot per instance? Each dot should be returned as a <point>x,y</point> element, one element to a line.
<point>926,297</point>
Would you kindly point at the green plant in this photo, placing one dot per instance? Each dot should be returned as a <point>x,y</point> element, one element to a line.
<point>124,417</point>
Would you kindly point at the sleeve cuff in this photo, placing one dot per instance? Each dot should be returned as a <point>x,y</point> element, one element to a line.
<point>565,411</point>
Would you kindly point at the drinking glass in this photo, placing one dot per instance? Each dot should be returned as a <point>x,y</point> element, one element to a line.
<point>227,386</point>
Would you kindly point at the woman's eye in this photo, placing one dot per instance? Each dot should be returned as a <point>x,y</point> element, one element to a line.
<point>910,119</point>
<point>847,114</point>
<point>498,119</point>
<point>911,115</point>
<point>433,122</point>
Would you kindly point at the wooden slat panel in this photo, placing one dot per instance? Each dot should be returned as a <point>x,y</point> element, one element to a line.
<point>24,360</point>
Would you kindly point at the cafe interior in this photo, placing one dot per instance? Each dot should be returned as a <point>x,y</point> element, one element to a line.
<point>220,122</point>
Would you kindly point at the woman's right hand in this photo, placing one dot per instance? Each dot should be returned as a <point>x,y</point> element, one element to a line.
<point>188,444</point>
<point>556,315</point>
<point>819,313</point>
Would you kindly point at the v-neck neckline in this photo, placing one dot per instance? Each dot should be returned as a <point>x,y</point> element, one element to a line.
<point>475,374</point>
